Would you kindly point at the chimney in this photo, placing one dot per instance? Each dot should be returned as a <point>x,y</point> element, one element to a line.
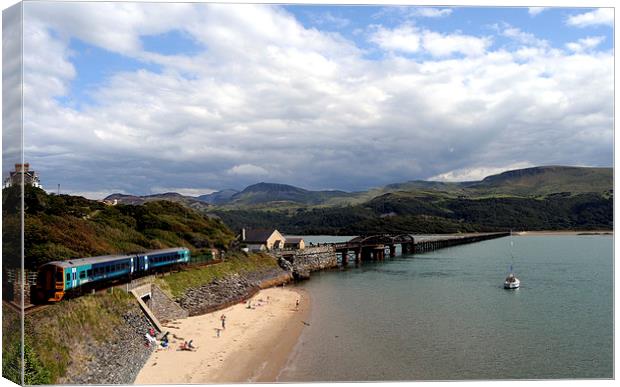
<point>243,234</point>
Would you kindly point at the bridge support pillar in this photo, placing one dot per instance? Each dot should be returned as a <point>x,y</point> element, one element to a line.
<point>366,254</point>
<point>392,251</point>
<point>345,257</point>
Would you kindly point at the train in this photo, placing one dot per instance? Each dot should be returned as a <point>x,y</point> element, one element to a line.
<point>57,279</point>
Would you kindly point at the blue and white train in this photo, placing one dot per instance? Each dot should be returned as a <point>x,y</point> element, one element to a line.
<point>56,279</point>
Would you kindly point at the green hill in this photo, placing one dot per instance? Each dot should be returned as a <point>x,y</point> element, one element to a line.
<point>539,181</point>
<point>264,193</point>
<point>64,227</point>
<point>541,198</point>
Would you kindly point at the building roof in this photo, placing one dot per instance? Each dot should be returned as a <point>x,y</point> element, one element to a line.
<point>258,235</point>
<point>293,239</point>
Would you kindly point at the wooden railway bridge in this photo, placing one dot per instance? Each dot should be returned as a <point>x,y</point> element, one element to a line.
<point>374,247</point>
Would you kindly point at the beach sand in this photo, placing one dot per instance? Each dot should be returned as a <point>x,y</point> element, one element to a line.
<point>254,346</point>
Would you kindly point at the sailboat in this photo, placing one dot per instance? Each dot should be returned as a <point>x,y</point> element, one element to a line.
<point>511,282</point>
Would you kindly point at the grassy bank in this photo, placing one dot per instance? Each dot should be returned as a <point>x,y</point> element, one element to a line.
<point>11,348</point>
<point>176,284</point>
<point>57,335</point>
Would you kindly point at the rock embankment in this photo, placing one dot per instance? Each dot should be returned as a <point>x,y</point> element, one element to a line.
<point>302,262</point>
<point>224,292</point>
<point>116,360</point>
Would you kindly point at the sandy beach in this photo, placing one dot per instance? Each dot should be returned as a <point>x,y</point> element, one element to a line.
<point>254,346</point>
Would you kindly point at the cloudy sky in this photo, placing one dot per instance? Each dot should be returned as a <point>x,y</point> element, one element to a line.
<point>143,97</point>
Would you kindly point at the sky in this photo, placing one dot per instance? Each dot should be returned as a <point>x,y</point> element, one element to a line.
<point>144,98</point>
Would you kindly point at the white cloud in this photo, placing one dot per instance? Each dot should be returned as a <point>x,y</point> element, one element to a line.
<point>327,18</point>
<point>522,37</point>
<point>431,12</point>
<point>477,173</point>
<point>248,170</point>
<point>600,16</point>
<point>440,45</point>
<point>585,43</point>
<point>408,39</point>
<point>272,100</point>
<point>405,38</point>
<point>533,11</point>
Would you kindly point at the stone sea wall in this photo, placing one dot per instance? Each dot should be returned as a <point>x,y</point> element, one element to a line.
<point>302,262</point>
<point>224,292</point>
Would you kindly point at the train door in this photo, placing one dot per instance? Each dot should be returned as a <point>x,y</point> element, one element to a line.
<point>131,265</point>
<point>146,262</point>
<point>74,277</point>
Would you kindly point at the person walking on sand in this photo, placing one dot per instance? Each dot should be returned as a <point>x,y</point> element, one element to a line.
<point>297,304</point>
<point>223,318</point>
<point>217,332</point>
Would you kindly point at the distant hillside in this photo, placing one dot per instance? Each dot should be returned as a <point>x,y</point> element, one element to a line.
<point>269,192</point>
<point>541,198</point>
<point>546,180</point>
<point>64,227</point>
<point>219,197</point>
<point>188,201</point>
<point>548,197</point>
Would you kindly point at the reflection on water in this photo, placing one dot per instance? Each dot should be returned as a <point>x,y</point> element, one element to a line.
<point>444,315</point>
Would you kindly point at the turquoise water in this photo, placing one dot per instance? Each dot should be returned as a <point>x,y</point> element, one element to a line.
<point>444,315</point>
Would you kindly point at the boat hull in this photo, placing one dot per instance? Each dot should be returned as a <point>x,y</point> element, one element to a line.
<point>512,285</point>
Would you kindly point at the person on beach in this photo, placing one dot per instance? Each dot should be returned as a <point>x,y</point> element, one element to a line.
<point>217,332</point>
<point>297,304</point>
<point>223,318</point>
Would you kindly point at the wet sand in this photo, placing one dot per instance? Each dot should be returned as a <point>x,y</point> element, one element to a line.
<point>254,346</point>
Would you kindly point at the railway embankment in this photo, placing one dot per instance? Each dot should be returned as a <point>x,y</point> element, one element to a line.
<point>205,289</point>
<point>94,339</point>
<point>232,289</point>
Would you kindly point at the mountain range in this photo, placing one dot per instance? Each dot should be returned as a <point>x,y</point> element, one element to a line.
<point>547,197</point>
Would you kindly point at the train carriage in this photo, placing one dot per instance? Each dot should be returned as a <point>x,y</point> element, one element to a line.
<point>55,279</point>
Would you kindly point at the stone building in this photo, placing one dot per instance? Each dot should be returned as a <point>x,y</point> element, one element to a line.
<point>262,239</point>
<point>294,243</point>
<point>15,177</point>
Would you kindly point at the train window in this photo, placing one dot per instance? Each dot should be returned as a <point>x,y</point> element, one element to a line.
<point>89,272</point>
<point>82,274</point>
<point>59,276</point>
<point>107,269</point>
<point>68,276</point>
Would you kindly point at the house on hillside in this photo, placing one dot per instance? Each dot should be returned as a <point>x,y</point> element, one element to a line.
<point>294,243</point>
<point>22,171</point>
<point>262,239</point>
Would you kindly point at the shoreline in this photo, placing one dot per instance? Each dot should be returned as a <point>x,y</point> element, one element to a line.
<point>562,232</point>
<point>254,347</point>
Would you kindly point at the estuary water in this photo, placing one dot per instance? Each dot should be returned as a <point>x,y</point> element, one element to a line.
<point>444,315</point>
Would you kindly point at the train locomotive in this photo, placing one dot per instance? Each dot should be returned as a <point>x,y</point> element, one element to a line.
<point>60,278</point>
